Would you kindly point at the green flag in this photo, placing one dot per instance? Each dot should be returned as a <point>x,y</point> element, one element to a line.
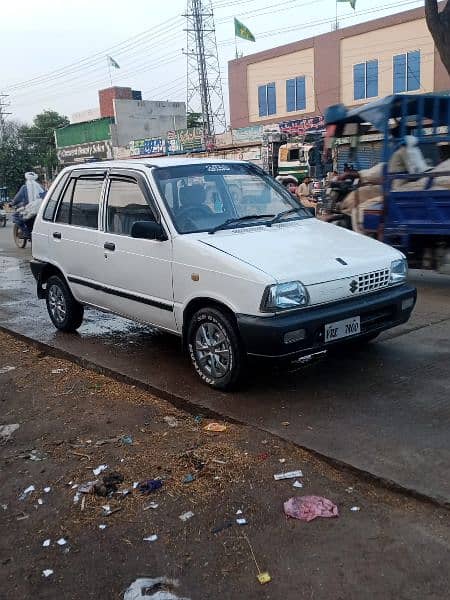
<point>240,30</point>
<point>112,62</point>
<point>352,2</point>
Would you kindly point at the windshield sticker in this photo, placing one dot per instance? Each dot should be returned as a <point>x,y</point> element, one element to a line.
<point>217,168</point>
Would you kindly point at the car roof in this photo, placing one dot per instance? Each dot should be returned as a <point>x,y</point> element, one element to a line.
<point>151,162</point>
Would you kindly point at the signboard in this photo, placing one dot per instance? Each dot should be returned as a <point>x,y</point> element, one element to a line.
<point>185,140</point>
<point>248,134</point>
<point>302,126</point>
<point>84,152</point>
<point>152,146</point>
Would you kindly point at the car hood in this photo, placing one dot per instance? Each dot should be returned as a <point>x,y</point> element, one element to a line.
<point>307,250</point>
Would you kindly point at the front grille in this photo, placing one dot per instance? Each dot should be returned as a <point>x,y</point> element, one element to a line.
<point>373,281</point>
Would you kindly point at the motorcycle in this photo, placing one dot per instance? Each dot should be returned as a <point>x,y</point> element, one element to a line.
<point>22,230</point>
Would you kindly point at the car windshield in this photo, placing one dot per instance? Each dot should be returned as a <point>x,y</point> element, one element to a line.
<point>210,196</point>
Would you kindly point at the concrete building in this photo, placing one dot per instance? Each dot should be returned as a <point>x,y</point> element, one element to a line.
<point>353,65</point>
<point>122,117</point>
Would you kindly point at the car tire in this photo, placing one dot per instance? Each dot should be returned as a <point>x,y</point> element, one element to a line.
<point>64,311</point>
<point>215,349</point>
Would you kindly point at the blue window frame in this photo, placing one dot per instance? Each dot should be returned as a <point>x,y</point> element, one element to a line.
<point>406,72</point>
<point>296,94</point>
<point>267,100</point>
<point>365,80</point>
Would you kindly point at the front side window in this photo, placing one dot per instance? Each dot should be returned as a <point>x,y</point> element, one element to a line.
<point>267,100</point>
<point>126,206</point>
<point>365,80</point>
<point>296,94</point>
<point>85,202</point>
<point>406,72</point>
<point>205,196</point>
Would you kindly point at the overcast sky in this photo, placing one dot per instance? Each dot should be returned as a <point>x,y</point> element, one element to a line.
<point>72,37</point>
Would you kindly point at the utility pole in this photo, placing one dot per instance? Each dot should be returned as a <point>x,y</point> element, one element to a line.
<point>3,114</point>
<point>204,84</point>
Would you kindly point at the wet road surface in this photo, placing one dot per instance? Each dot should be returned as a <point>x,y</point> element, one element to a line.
<point>385,410</point>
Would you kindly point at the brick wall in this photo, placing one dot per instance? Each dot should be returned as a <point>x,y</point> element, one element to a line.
<point>107,96</point>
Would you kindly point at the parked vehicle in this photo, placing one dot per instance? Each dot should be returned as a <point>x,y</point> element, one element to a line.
<point>216,252</point>
<point>410,207</point>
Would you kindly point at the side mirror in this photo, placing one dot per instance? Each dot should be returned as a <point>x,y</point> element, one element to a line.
<point>148,230</point>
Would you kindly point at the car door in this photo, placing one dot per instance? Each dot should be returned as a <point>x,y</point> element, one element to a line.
<point>137,273</point>
<point>73,236</point>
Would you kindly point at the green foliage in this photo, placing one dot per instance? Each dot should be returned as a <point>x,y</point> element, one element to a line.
<point>194,119</point>
<point>15,158</point>
<point>29,147</point>
<point>40,139</point>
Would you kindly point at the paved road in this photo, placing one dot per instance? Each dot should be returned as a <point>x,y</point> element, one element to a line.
<point>385,410</point>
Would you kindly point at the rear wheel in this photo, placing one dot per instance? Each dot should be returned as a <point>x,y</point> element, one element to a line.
<point>215,348</point>
<point>19,239</point>
<point>3,222</point>
<point>65,312</point>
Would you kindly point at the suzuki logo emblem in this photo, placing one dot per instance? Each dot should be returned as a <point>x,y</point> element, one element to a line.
<point>353,286</point>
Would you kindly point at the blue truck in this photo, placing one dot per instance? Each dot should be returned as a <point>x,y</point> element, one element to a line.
<point>412,211</point>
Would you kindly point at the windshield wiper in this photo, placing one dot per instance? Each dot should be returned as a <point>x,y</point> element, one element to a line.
<point>237,220</point>
<point>282,214</point>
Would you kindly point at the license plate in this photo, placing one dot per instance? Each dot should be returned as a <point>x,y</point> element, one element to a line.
<point>342,329</point>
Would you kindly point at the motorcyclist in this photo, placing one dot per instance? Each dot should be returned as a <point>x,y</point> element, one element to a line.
<point>26,203</point>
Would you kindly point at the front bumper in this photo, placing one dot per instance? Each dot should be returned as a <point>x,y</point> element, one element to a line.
<point>264,336</point>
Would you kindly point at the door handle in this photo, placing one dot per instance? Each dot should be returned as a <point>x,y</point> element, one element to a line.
<point>109,246</point>
<point>57,235</point>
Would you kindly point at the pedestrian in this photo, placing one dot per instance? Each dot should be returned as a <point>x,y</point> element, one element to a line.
<point>303,193</point>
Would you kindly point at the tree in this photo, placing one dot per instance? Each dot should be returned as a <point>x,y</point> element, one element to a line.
<point>40,138</point>
<point>15,157</point>
<point>194,119</point>
<point>439,26</point>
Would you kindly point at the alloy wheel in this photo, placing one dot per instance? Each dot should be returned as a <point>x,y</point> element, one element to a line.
<point>57,303</point>
<point>213,350</point>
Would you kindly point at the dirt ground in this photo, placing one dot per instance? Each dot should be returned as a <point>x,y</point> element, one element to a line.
<point>72,420</point>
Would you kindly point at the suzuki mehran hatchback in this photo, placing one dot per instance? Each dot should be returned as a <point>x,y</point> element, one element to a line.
<point>216,252</point>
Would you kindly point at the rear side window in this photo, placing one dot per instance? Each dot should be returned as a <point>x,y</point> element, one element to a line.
<point>85,202</point>
<point>80,203</point>
<point>49,211</point>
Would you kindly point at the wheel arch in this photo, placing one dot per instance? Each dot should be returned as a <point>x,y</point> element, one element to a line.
<point>47,271</point>
<point>204,302</point>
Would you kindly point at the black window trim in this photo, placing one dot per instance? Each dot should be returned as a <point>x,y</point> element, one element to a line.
<point>135,176</point>
<point>82,174</point>
<point>65,177</point>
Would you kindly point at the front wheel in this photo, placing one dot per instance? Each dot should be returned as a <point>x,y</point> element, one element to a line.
<point>18,236</point>
<point>65,312</point>
<point>215,348</point>
<point>3,222</point>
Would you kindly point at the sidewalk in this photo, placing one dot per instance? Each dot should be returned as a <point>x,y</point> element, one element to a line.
<point>75,420</point>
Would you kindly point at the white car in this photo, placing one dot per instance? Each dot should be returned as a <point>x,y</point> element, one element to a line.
<point>216,252</point>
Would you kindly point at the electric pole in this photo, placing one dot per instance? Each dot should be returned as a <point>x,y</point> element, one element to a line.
<point>3,114</point>
<point>204,84</point>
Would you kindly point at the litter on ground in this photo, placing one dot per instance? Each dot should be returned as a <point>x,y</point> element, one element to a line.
<point>160,588</point>
<point>241,521</point>
<point>151,538</point>
<point>288,475</point>
<point>47,572</point>
<point>355,508</point>
<point>46,543</point>
<point>6,431</point>
<point>186,516</point>
<point>215,427</point>
<point>150,485</point>
<point>152,505</point>
<point>6,369</point>
<point>297,484</point>
<point>171,421</point>
<point>47,489</point>
<point>102,526</point>
<point>27,491</point>
<point>61,542</point>
<point>307,508</point>
<point>99,469</point>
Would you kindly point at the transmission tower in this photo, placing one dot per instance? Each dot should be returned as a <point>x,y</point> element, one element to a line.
<point>204,84</point>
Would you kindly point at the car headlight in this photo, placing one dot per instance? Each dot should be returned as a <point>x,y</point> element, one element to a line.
<point>284,296</point>
<point>399,270</point>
